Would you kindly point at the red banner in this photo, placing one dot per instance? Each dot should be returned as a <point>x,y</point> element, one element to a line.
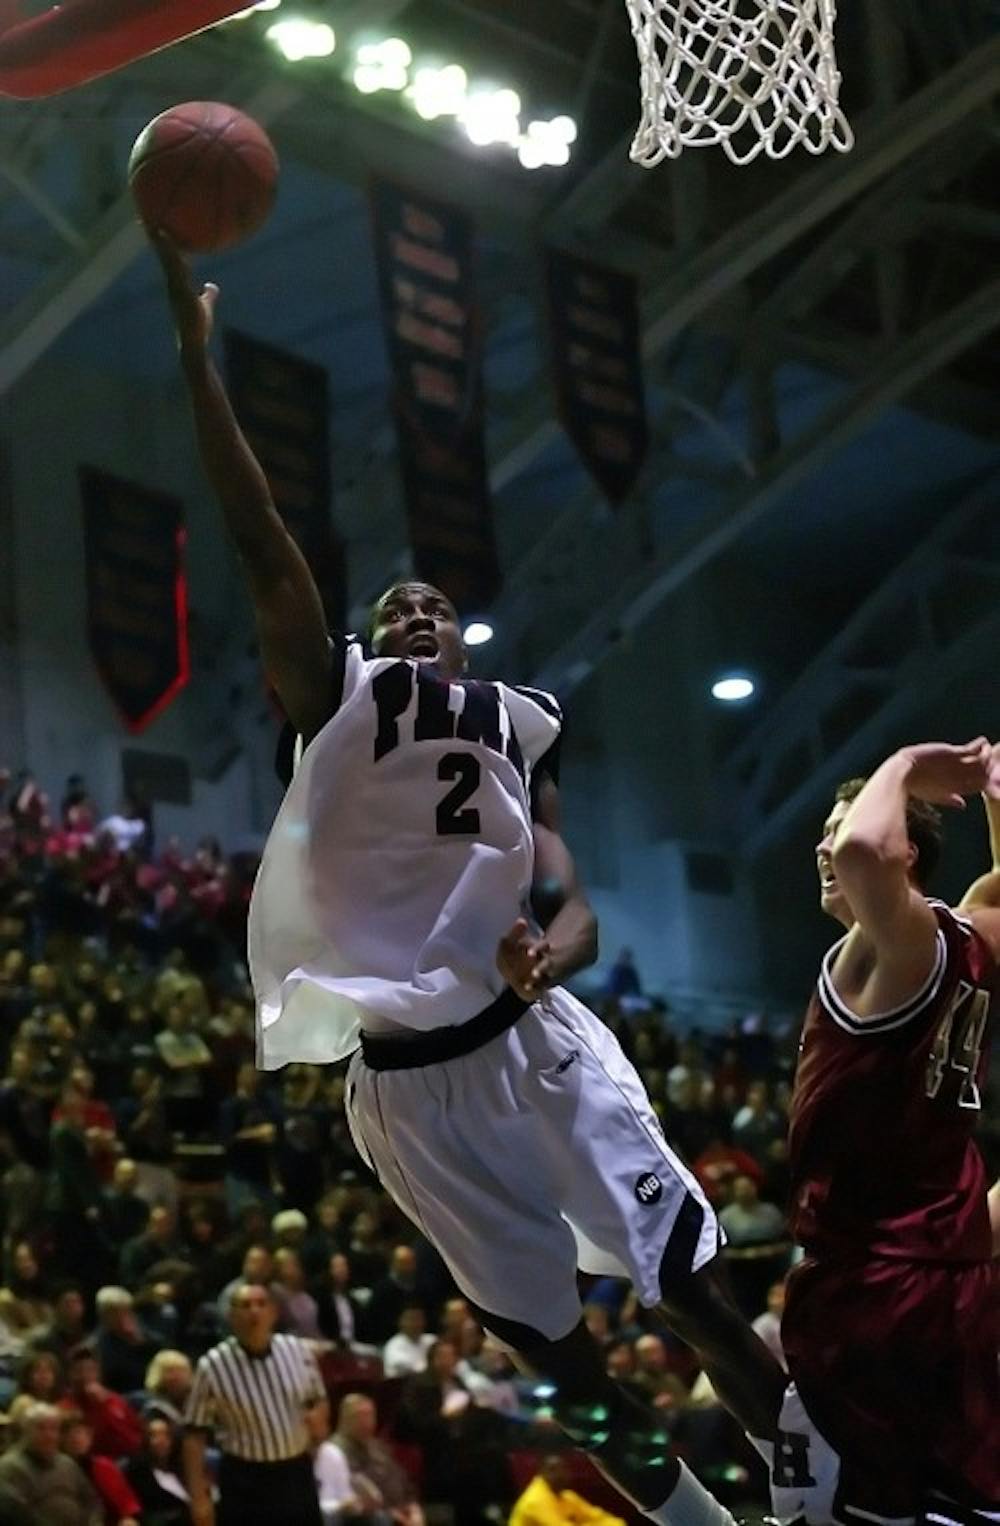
<point>597,368</point>
<point>426,268</point>
<point>282,403</point>
<point>136,594</point>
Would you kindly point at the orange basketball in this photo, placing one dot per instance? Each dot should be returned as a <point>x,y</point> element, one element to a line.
<point>204,172</point>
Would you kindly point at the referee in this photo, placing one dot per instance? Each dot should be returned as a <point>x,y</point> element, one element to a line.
<point>252,1391</point>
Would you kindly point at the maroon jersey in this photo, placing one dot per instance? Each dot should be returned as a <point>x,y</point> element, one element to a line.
<point>880,1143</point>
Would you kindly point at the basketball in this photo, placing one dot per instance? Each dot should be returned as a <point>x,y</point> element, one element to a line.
<point>205,173</point>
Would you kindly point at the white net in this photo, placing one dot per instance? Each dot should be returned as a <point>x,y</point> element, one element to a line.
<point>757,76</point>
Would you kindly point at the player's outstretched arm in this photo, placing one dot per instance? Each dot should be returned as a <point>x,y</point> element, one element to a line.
<point>531,964</point>
<point>985,891</point>
<point>289,613</point>
<point>873,858</point>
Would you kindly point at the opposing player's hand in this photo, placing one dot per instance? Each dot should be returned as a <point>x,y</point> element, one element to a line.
<point>194,311</point>
<point>944,774</point>
<point>525,961</point>
<point>992,790</point>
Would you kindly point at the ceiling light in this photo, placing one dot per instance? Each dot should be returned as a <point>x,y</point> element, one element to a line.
<point>547,143</point>
<point>531,153</point>
<point>367,78</point>
<point>492,116</point>
<point>563,128</point>
<point>383,66</point>
<point>298,39</point>
<point>395,53</point>
<point>477,633</point>
<point>732,688</point>
<point>439,92</point>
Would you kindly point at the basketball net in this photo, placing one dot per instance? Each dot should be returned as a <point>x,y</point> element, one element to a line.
<point>712,69</point>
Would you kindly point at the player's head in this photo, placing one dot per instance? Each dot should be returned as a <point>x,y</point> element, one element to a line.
<point>923,829</point>
<point>418,621</point>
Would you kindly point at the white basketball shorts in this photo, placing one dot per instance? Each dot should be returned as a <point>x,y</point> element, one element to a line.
<point>529,1158</point>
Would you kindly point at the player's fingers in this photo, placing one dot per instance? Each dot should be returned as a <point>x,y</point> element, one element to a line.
<point>210,295</point>
<point>512,941</point>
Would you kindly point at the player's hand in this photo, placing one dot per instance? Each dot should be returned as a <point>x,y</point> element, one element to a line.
<point>525,961</point>
<point>992,790</point>
<point>194,311</point>
<point>944,774</point>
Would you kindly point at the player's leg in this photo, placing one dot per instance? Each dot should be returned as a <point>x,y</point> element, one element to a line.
<point>624,1437</point>
<point>633,1202</point>
<point>867,1344</point>
<point>964,1464</point>
<point>749,1381</point>
<point>459,1148</point>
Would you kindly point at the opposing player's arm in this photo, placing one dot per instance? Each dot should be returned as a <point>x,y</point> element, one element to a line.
<point>287,606</point>
<point>531,964</point>
<point>985,891</point>
<point>873,859</point>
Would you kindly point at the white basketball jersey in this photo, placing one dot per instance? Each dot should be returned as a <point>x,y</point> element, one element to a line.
<point>402,853</point>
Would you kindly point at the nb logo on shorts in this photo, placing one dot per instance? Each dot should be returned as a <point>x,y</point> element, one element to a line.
<point>649,1189</point>
<point>791,1461</point>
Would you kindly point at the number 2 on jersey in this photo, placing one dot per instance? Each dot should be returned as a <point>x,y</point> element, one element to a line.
<point>958,1043</point>
<point>453,819</point>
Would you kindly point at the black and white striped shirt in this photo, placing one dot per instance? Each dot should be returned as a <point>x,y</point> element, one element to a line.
<point>255,1404</point>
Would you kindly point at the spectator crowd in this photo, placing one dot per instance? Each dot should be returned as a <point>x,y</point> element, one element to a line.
<point>150,1172</point>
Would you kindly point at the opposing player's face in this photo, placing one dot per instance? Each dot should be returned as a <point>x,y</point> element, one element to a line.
<point>831,897</point>
<point>416,621</point>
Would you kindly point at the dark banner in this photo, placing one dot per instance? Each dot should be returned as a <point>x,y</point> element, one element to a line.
<point>425,257</point>
<point>136,593</point>
<point>597,368</point>
<point>282,403</point>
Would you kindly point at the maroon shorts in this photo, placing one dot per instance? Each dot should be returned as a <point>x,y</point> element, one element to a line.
<point>896,1362</point>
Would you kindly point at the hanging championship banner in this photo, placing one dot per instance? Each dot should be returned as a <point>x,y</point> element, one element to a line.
<point>136,593</point>
<point>425,257</point>
<point>282,403</point>
<point>597,368</point>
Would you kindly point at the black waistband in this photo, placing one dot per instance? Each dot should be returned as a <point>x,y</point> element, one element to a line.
<point>281,1467</point>
<point>381,1051</point>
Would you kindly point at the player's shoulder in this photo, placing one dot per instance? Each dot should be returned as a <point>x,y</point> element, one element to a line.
<point>537,720</point>
<point>954,922</point>
<point>348,669</point>
<point>541,697</point>
<point>978,928</point>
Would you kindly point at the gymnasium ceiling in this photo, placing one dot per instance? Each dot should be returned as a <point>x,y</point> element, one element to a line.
<point>820,336</point>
